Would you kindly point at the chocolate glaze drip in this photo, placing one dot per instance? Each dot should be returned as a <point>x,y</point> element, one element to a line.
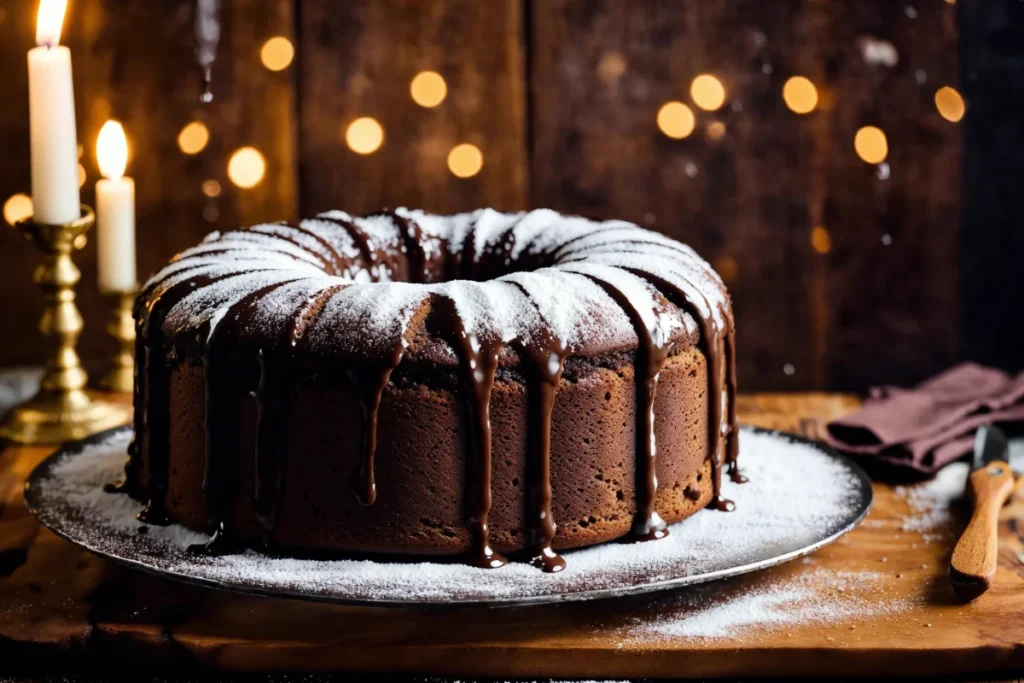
<point>479,362</point>
<point>545,358</point>
<point>652,352</point>
<point>369,384</point>
<point>273,396</point>
<point>413,242</point>
<point>154,424</point>
<point>732,444</point>
<point>221,478</point>
<point>714,350</point>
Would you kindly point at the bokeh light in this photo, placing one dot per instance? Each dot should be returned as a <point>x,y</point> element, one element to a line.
<point>465,160</point>
<point>428,89</point>
<point>800,95</point>
<point>81,175</point>
<point>193,138</point>
<point>821,240</point>
<point>364,135</point>
<point>707,92</point>
<point>716,130</point>
<point>871,145</point>
<point>17,208</point>
<point>247,167</point>
<point>676,120</point>
<point>949,103</point>
<point>277,53</point>
<point>211,188</point>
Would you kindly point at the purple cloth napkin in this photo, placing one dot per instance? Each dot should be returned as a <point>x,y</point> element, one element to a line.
<point>933,424</point>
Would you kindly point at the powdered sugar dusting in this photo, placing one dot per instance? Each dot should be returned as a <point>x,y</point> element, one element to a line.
<point>527,303</point>
<point>575,308</point>
<point>797,496</point>
<point>211,303</point>
<point>379,312</point>
<point>814,597</point>
<point>642,297</point>
<point>931,501</point>
<point>491,309</point>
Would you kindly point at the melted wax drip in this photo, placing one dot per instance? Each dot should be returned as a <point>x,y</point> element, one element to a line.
<point>207,34</point>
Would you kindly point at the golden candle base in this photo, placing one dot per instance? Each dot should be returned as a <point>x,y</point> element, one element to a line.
<point>61,410</point>
<point>56,417</point>
<point>121,375</point>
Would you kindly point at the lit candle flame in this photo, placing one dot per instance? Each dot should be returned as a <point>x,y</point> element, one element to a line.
<point>49,22</point>
<point>112,150</point>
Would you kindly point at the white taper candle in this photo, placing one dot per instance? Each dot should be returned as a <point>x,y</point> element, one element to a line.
<point>54,143</point>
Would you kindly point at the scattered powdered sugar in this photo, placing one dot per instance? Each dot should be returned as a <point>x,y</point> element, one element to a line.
<point>814,597</point>
<point>798,497</point>
<point>931,501</point>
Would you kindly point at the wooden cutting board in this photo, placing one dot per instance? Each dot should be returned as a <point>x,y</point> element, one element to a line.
<point>876,602</point>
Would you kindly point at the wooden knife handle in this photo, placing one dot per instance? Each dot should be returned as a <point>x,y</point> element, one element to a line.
<point>973,565</point>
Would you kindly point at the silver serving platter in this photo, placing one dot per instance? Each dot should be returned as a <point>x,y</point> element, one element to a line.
<point>71,509</point>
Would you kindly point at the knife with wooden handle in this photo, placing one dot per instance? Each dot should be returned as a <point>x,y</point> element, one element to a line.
<point>973,565</point>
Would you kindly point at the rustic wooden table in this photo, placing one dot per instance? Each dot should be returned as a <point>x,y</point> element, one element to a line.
<point>890,609</point>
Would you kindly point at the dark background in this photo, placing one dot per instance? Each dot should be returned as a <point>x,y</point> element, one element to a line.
<point>921,263</point>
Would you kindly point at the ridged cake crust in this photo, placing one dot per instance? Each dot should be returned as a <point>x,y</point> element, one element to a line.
<point>409,383</point>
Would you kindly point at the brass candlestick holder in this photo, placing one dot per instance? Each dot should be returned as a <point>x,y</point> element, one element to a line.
<point>121,375</point>
<point>61,410</point>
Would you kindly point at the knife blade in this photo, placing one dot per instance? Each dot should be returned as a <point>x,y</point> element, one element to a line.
<point>973,564</point>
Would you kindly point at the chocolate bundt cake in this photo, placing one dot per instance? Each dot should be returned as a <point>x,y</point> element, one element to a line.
<point>411,384</point>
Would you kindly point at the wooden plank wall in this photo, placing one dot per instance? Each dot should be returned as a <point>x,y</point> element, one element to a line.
<point>561,97</point>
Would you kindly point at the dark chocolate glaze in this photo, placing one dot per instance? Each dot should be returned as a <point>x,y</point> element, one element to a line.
<point>338,263</point>
<point>358,237</point>
<point>652,352</point>
<point>543,357</point>
<point>369,383</point>
<point>412,241</point>
<point>221,484</point>
<point>273,396</point>
<point>714,345</point>
<point>478,362</point>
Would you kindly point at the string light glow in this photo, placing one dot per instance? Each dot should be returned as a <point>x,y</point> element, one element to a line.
<point>676,120</point>
<point>800,95</point>
<point>211,188</point>
<point>428,89</point>
<point>193,138</point>
<point>727,267</point>
<point>17,208</point>
<point>277,53</point>
<point>871,145</point>
<point>949,103</point>
<point>465,160</point>
<point>821,240</point>
<point>364,135</point>
<point>247,167</point>
<point>716,130</point>
<point>707,92</point>
<point>81,175</point>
